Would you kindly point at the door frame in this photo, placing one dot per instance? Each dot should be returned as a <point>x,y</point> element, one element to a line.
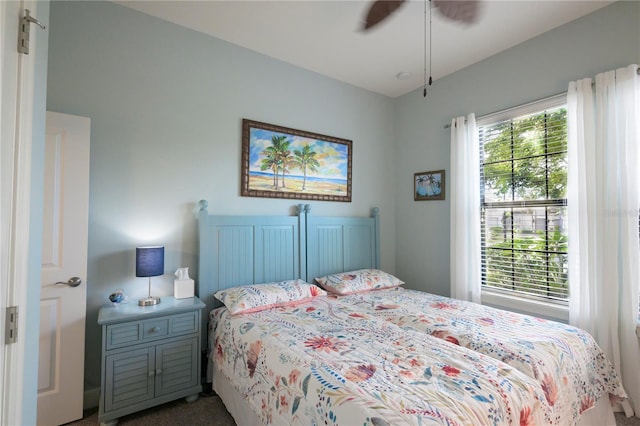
<point>17,80</point>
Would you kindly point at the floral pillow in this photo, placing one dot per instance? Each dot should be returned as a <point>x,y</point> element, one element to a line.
<point>258,297</point>
<point>358,281</point>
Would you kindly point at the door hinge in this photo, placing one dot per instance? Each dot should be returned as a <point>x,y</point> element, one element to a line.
<point>23,31</point>
<point>11,327</point>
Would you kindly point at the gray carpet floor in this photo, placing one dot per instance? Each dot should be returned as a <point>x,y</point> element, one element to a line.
<point>621,420</point>
<point>209,410</point>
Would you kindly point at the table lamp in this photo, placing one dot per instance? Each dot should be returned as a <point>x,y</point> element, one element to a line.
<point>149,263</point>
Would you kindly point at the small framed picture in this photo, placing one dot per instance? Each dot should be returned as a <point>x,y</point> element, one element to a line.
<point>429,185</point>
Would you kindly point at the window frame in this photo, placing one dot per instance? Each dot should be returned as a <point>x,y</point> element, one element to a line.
<point>554,309</point>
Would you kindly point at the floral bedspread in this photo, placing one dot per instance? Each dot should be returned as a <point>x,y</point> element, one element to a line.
<point>566,361</point>
<point>325,362</point>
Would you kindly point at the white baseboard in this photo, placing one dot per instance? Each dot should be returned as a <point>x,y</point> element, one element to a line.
<point>91,398</point>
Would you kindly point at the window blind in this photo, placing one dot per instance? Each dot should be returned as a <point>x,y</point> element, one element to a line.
<point>523,178</point>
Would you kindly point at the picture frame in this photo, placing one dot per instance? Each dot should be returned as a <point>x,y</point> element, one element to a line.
<point>280,162</point>
<point>429,185</point>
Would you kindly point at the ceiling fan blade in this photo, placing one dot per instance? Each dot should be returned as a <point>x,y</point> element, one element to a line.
<point>459,10</point>
<point>379,11</point>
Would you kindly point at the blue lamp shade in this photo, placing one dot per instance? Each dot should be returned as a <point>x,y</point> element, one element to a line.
<point>149,261</point>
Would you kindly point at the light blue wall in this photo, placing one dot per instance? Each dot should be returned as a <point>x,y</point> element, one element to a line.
<point>166,105</point>
<point>538,68</point>
<point>32,323</point>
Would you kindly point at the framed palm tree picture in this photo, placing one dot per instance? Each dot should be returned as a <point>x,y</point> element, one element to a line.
<point>428,185</point>
<point>279,162</point>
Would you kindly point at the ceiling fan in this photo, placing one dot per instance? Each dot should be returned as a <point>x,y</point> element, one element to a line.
<point>465,11</point>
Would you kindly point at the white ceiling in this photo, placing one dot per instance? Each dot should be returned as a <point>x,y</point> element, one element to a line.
<point>325,36</point>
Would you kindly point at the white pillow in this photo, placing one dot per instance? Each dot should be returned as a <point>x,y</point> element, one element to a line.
<point>258,297</point>
<point>358,281</point>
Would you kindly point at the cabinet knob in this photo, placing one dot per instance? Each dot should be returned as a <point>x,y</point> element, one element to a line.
<point>158,372</point>
<point>155,329</point>
<point>151,373</point>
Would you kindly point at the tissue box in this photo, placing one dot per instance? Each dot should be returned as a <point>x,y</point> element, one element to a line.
<point>183,288</point>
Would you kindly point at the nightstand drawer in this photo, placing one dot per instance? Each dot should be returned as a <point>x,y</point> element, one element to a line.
<point>131,333</point>
<point>123,334</point>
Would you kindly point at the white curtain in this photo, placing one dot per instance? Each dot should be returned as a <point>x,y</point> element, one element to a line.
<point>604,202</point>
<point>464,178</point>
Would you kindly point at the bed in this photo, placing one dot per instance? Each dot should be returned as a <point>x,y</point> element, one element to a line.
<point>385,356</point>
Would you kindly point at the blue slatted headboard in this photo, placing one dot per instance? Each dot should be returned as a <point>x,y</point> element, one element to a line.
<point>241,250</point>
<point>339,244</point>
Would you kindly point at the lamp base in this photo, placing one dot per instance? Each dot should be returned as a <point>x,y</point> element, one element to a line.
<point>149,301</point>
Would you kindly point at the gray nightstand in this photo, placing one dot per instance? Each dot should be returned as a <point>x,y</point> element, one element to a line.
<point>150,355</point>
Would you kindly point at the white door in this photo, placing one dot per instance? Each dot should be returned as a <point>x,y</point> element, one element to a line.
<point>64,269</point>
<point>17,95</point>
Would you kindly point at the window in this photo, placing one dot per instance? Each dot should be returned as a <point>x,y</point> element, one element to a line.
<point>523,179</point>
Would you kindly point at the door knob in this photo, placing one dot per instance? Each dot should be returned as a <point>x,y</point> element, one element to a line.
<point>73,282</point>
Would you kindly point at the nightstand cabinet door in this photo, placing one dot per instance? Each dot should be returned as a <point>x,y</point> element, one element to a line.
<point>131,377</point>
<point>176,366</point>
